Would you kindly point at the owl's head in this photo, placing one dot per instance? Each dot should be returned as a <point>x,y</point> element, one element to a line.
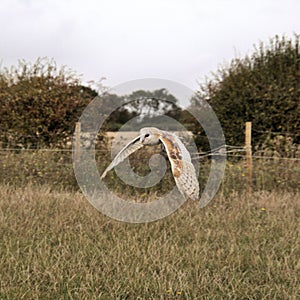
<point>150,135</point>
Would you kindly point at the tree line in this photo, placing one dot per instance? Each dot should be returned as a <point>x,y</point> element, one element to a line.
<point>40,103</point>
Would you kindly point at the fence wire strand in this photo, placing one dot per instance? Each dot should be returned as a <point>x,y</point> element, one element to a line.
<point>233,151</point>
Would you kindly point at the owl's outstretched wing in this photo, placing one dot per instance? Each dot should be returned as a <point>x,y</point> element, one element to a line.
<point>131,147</point>
<point>182,168</point>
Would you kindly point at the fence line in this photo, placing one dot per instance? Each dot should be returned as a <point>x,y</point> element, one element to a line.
<point>224,150</point>
<point>198,155</point>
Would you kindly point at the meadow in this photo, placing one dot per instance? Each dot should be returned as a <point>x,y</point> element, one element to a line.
<point>55,245</point>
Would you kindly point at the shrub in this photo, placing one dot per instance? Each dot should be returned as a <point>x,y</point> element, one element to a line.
<point>39,104</point>
<point>262,88</point>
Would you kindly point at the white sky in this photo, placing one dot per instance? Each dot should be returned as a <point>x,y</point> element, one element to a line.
<point>179,40</point>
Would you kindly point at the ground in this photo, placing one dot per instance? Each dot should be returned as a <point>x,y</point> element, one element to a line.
<point>55,245</point>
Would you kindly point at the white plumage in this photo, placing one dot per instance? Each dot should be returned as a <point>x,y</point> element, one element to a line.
<point>182,168</point>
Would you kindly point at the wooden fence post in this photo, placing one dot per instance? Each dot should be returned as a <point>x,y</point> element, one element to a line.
<point>77,140</point>
<point>248,155</point>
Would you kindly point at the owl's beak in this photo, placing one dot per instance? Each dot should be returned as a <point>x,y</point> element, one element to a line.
<point>142,139</point>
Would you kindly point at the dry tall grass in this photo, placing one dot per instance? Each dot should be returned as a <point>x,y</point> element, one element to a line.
<point>55,245</point>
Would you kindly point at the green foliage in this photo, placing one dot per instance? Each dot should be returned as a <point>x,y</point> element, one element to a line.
<point>151,103</point>
<point>147,105</point>
<point>39,104</point>
<point>120,114</point>
<point>263,88</point>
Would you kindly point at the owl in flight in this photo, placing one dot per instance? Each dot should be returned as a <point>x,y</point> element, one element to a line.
<point>182,168</point>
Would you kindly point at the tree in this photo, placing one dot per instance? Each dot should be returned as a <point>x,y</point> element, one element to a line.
<point>151,103</point>
<point>146,105</point>
<point>263,88</point>
<point>119,116</point>
<point>40,103</point>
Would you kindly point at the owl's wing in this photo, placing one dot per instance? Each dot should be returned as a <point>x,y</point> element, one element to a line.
<point>182,168</point>
<point>131,147</point>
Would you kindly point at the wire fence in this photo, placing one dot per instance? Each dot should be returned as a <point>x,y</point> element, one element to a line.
<point>226,150</point>
<point>271,169</point>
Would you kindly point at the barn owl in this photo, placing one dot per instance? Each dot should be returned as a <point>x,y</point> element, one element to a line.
<point>182,168</point>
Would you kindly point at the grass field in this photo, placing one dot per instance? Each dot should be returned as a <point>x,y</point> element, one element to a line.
<point>55,245</point>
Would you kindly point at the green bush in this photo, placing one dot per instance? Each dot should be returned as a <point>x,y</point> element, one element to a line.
<point>262,88</point>
<point>39,104</point>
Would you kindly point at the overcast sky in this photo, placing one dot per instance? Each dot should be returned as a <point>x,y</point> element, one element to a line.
<point>179,40</point>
